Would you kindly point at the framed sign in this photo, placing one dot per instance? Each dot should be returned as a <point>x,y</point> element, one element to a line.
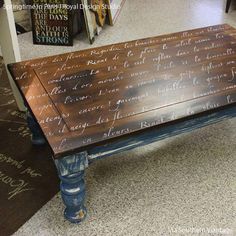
<point>114,8</point>
<point>52,24</point>
<point>94,16</point>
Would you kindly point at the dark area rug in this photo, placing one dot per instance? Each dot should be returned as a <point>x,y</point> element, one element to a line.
<point>28,176</point>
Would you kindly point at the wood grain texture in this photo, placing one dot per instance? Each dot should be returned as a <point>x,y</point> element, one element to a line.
<point>90,97</point>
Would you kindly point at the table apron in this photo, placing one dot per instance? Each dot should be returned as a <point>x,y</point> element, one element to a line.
<point>152,135</point>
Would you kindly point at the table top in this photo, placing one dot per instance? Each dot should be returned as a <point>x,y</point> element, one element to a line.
<point>90,97</point>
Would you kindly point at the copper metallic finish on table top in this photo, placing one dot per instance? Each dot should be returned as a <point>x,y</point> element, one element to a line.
<point>87,97</point>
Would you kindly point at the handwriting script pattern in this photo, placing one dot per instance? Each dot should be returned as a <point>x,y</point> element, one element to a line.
<point>85,97</point>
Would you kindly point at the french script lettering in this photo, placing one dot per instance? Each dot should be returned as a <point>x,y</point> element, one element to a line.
<point>95,62</point>
<point>85,97</point>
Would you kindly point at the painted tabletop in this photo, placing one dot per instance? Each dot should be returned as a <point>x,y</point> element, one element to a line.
<point>94,96</point>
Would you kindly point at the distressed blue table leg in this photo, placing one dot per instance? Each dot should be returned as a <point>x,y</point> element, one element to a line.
<point>71,172</point>
<point>37,135</point>
<point>73,196</point>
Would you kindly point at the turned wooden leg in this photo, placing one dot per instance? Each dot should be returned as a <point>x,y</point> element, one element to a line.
<point>227,6</point>
<point>73,196</point>
<point>71,173</point>
<point>37,137</point>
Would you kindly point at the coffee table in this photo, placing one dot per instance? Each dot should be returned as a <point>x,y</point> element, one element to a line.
<point>94,103</point>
